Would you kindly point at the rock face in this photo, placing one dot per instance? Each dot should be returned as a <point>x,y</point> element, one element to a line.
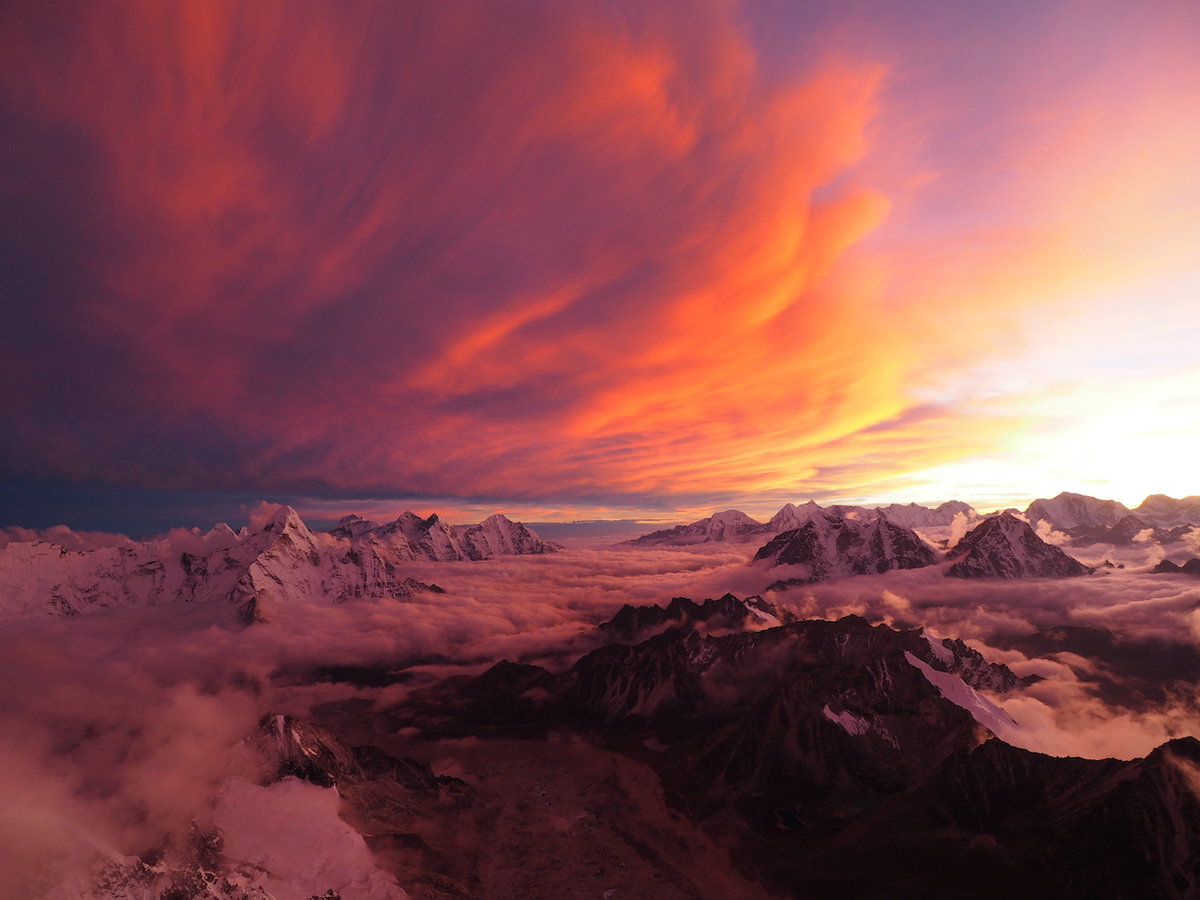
<point>1005,547</point>
<point>835,759</point>
<point>281,562</point>
<point>1191,567</point>
<point>633,623</point>
<point>841,759</point>
<point>1068,510</point>
<point>809,700</point>
<point>833,546</point>
<point>1167,512</point>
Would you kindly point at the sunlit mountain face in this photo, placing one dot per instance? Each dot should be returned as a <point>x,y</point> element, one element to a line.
<point>599,449</point>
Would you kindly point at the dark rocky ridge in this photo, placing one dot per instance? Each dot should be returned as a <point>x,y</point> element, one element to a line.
<point>637,622</point>
<point>1191,567</point>
<point>1005,547</point>
<point>833,546</point>
<point>838,770</point>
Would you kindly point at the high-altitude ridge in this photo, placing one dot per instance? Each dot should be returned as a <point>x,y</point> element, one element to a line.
<point>1003,546</point>
<point>838,546</point>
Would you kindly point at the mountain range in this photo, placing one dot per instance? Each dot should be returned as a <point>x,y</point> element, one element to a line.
<point>848,760</point>
<point>279,562</point>
<point>830,546</point>
<point>1077,515</point>
<point>734,525</point>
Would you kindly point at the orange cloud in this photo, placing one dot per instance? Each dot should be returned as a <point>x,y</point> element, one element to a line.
<point>454,250</point>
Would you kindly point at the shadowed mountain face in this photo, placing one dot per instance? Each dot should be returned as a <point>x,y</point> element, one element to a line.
<point>832,546</point>
<point>1005,547</point>
<point>1127,530</point>
<point>633,623</point>
<point>1166,567</point>
<point>840,759</point>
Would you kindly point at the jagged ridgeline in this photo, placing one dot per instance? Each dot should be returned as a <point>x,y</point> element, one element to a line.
<point>844,759</point>
<point>279,562</point>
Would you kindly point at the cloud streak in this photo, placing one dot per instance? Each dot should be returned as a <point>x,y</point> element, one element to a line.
<point>434,251</point>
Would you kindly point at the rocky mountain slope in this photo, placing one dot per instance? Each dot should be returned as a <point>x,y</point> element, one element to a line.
<point>813,758</point>
<point>636,623</point>
<point>845,760</point>
<point>1005,547</point>
<point>834,546</point>
<point>354,802</point>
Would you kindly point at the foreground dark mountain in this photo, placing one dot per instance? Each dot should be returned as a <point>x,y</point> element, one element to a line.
<point>633,623</point>
<point>812,758</point>
<point>996,821</point>
<point>844,760</point>
<point>363,802</point>
<point>1005,547</point>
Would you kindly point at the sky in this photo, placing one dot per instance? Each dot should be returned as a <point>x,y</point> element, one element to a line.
<point>593,260</point>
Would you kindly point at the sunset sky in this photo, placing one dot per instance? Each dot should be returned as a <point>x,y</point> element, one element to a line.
<point>594,259</point>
